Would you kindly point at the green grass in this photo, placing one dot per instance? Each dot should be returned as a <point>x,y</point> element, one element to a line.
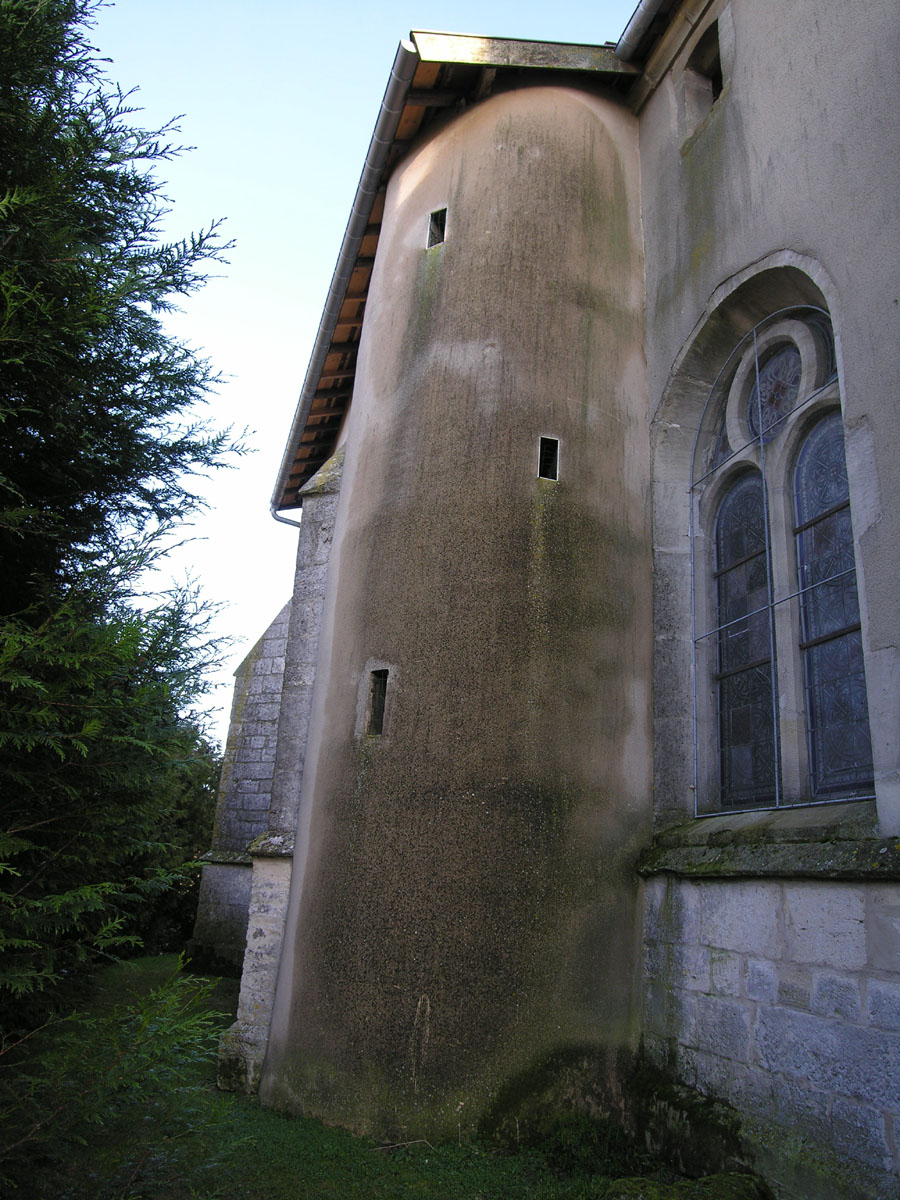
<point>156,1128</point>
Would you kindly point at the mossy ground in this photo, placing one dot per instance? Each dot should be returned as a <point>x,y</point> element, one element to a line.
<point>251,1153</point>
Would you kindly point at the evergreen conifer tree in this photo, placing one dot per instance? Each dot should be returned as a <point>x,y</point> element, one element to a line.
<point>98,439</point>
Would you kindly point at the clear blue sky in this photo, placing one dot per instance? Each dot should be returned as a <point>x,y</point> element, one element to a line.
<point>279,99</point>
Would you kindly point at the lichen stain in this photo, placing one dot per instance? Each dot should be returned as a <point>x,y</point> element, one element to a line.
<point>462,860</point>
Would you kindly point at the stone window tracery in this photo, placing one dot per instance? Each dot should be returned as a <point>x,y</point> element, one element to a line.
<point>780,709</point>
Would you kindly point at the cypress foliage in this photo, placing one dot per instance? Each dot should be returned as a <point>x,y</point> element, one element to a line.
<point>101,757</point>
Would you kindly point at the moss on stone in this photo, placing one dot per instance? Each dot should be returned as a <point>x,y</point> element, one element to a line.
<point>764,849</point>
<point>712,1187</point>
<point>328,477</point>
<point>689,1131</point>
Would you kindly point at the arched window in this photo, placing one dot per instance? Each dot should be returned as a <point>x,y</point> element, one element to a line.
<point>780,708</point>
<point>840,752</point>
<point>745,653</point>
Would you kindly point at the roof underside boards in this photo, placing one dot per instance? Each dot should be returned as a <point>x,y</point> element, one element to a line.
<point>451,71</point>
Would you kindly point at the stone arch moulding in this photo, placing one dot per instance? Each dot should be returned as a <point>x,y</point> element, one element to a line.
<point>780,280</point>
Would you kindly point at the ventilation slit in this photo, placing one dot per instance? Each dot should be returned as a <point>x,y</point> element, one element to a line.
<point>437,227</point>
<point>548,458</point>
<point>377,694</point>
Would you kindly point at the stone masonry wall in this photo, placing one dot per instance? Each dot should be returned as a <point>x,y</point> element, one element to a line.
<point>245,790</point>
<point>220,928</point>
<point>243,1046</point>
<point>782,997</point>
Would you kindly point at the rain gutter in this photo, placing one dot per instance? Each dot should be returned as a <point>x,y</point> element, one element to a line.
<point>627,45</point>
<point>405,63</point>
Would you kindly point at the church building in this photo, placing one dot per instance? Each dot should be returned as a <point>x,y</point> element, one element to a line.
<point>576,750</point>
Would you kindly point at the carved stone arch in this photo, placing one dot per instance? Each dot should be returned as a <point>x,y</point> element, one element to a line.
<point>781,280</point>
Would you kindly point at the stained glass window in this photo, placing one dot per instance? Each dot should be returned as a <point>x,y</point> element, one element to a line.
<point>776,393</point>
<point>745,658</point>
<point>837,710</point>
<point>774,635</point>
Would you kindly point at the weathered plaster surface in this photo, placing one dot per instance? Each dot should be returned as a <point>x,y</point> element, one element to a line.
<point>465,904</point>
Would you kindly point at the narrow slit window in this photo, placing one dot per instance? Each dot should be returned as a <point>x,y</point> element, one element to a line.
<point>437,227</point>
<point>702,80</point>
<point>377,694</point>
<point>706,61</point>
<point>548,458</point>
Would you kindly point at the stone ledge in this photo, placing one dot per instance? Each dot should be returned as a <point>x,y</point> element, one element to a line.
<point>839,841</point>
<point>272,845</point>
<point>225,858</point>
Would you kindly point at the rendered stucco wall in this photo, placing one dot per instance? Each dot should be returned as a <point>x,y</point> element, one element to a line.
<point>463,909</point>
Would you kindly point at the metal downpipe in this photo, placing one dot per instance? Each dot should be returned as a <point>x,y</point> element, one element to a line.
<point>628,43</point>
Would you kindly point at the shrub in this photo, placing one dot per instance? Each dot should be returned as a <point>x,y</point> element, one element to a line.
<point>96,1106</point>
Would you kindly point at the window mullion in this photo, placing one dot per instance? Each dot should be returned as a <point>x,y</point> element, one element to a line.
<point>770,583</point>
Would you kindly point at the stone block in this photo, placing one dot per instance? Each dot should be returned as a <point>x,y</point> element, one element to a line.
<point>761,981</point>
<point>726,972</point>
<point>836,996</point>
<point>683,1016</point>
<point>655,891</point>
<point>723,1028</point>
<point>256,770</point>
<point>310,582</point>
<point>848,1060</point>
<point>240,1059</point>
<point>738,915</point>
<point>883,1004</point>
<point>883,927</point>
<point>691,968</point>
<point>685,1065</point>
<point>676,910</point>
<point>299,674</point>
<point>802,1108</point>
<point>656,1049</point>
<point>824,923</point>
<point>265,685</point>
<point>858,1133</point>
<point>656,996</point>
<point>794,985</point>
<point>686,900</point>
<point>247,753</point>
<point>739,1084</point>
<point>222,908</point>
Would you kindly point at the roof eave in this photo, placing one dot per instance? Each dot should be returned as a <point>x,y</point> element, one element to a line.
<point>326,390</point>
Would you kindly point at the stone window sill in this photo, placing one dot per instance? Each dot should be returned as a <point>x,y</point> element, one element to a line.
<point>837,841</point>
